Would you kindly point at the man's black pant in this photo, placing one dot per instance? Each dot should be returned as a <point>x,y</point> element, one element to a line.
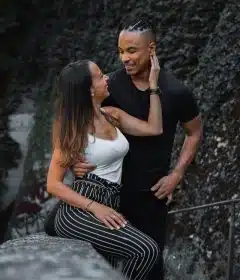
<point>148,214</point>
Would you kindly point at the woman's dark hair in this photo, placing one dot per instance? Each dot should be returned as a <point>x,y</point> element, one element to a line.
<point>74,111</point>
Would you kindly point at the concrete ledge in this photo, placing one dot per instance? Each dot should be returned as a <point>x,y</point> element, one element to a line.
<point>41,257</point>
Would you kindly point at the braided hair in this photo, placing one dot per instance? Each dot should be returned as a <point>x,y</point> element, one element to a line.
<point>142,25</point>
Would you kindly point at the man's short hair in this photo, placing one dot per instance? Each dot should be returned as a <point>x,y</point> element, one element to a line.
<point>141,24</point>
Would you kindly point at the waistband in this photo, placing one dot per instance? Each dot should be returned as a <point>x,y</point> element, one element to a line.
<point>93,186</point>
<point>91,177</point>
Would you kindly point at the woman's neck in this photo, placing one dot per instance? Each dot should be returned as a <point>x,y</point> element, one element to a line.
<point>98,116</point>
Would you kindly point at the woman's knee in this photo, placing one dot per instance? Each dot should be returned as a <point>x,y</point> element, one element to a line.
<point>148,250</point>
<point>153,249</point>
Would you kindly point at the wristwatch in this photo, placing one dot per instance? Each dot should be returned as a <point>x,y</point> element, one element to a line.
<point>154,91</point>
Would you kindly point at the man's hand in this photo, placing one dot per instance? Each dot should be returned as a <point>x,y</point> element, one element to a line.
<point>82,167</point>
<point>166,185</point>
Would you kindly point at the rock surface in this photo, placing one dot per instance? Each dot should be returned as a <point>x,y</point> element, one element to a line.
<point>41,257</point>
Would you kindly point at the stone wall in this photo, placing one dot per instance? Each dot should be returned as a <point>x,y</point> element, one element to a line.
<point>42,257</point>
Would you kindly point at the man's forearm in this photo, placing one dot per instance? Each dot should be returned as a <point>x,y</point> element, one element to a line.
<point>188,152</point>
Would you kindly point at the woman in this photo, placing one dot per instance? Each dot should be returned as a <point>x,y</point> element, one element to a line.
<point>89,208</point>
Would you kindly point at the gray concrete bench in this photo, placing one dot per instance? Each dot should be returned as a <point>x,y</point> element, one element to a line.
<point>38,257</point>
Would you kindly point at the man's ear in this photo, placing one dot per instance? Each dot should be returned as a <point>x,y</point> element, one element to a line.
<point>152,48</point>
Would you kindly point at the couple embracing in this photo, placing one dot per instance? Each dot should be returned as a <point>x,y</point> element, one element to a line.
<point>116,133</point>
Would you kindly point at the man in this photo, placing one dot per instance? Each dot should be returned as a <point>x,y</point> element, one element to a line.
<point>146,179</point>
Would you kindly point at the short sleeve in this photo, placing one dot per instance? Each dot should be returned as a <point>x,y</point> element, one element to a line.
<point>186,105</point>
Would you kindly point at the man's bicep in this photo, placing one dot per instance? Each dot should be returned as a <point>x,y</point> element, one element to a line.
<point>193,126</point>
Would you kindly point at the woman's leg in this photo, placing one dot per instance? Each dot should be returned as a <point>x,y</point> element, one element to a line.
<point>111,259</point>
<point>137,251</point>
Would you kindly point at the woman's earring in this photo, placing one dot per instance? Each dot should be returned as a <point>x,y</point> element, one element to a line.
<point>92,94</point>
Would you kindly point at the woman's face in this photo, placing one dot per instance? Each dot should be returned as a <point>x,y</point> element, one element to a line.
<point>99,89</point>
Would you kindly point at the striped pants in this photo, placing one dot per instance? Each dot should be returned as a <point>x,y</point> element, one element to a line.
<point>137,251</point>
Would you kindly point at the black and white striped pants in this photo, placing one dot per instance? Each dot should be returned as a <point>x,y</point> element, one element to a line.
<point>137,251</point>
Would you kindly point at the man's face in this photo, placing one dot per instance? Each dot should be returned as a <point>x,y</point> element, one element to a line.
<point>134,50</point>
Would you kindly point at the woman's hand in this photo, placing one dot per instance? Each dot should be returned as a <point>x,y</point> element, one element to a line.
<point>107,215</point>
<point>154,72</point>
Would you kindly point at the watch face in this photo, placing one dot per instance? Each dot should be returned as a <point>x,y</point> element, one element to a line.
<point>148,91</point>
<point>151,91</point>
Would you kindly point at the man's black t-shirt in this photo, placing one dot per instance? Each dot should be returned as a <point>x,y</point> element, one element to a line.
<point>149,157</point>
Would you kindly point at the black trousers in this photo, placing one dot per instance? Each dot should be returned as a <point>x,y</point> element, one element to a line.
<point>148,214</point>
<point>136,250</point>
